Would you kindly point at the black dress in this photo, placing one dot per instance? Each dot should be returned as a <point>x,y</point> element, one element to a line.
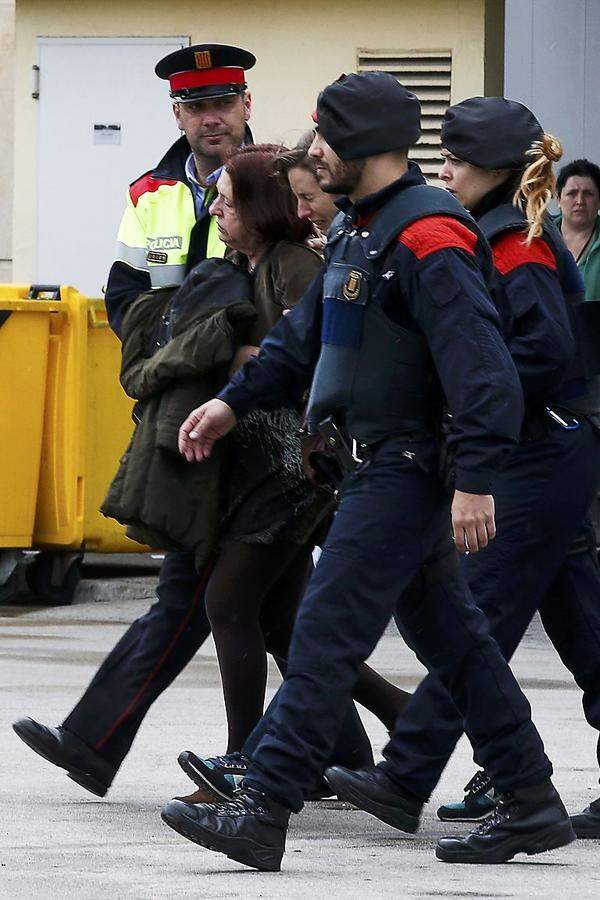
<point>269,499</point>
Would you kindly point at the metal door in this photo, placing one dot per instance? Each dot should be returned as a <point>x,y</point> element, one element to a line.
<point>104,119</point>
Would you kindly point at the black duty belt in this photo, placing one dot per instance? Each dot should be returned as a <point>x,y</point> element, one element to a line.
<point>350,453</point>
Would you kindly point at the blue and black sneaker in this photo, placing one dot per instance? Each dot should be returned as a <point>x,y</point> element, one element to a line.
<point>479,801</point>
<point>222,774</point>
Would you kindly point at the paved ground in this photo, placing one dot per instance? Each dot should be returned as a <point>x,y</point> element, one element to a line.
<point>56,841</point>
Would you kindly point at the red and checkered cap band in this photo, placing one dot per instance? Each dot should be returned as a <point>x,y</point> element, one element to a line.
<point>207,77</point>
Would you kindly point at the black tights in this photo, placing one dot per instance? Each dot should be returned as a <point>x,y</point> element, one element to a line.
<point>251,602</point>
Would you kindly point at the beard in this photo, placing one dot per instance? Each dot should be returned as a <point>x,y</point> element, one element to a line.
<point>342,177</point>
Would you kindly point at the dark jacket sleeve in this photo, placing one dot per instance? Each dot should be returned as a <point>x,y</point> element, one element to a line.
<point>124,285</point>
<point>539,334</point>
<point>448,298</point>
<point>282,371</point>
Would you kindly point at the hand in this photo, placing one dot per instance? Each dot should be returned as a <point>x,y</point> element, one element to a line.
<point>203,427</point>
<point>242,355</point>
<point>473,522</point>
<point>317,241</point>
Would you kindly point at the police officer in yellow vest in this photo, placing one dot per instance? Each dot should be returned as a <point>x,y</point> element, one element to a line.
<point>165,231</point>
<point>166,228</point>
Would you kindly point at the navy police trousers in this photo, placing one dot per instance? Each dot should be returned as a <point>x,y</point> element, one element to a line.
<point>393,520</point>
<point>542,497</point>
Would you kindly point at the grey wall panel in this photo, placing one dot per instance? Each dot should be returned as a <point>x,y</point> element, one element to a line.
<point>591,121</point>
<point>552,63</point>
<point>518,57</point>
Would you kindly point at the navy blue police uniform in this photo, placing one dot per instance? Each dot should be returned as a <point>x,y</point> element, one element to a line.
<point>543,557</point>
<point>380,337</point>
<point>542,496</point>
<point>399,323</point>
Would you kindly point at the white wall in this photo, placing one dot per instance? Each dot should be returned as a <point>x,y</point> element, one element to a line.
<point>7,62</point>
<point>299,46</point>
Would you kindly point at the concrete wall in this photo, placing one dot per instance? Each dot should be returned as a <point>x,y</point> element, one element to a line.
<point>300,47</point>
<point>552,64</point>
<point>7,53</point>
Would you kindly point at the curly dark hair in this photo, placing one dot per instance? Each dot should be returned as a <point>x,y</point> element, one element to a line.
<point>582,168</point>
<point>265,201</point>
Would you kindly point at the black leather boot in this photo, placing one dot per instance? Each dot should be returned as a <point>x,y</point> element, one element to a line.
<point>64,749</point>
<point>526,820</point>
<point>250,828</point>
<point>375,793</point>
<point>586,824</point>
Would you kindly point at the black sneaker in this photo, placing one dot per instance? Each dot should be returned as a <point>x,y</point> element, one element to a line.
<point>479,801</point>
<point>222,774</point>
<point>250,829</point>
<point>64,749</point>
<point>586,824</point>
<point>527,820</point>
<point>375,793</point>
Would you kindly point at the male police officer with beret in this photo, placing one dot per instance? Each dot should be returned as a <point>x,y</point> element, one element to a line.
<point>166,230</point>
<point>399,322</point>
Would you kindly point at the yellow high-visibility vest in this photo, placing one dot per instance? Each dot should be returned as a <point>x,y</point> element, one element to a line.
<point>154,235</point>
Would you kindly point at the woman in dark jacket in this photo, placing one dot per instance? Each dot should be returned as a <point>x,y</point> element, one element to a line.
<point>498,162</point>
<point>273,515</point>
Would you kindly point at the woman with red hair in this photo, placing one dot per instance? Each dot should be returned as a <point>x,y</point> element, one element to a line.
<point>274,514</point>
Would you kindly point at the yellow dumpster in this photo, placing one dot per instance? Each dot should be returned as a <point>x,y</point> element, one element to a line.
<point>65,422</point>
<point>24,333</point>
<point>86,429</point>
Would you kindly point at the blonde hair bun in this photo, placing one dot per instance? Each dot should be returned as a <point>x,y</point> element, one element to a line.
<point>538,182</point>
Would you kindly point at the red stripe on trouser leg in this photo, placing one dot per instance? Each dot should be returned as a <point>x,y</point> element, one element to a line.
<point>127,712</point>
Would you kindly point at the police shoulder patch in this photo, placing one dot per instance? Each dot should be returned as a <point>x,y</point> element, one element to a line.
<point>433,233</point>
<point>511,250</point>
<point>146,184</point>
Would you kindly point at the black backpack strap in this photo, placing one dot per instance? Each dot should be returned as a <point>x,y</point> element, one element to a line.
<point>407,207</point>
<point>336,229</point>
<point>505,217</point>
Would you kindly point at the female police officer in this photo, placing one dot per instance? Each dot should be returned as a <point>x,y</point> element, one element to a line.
<point>401,299</point>
<point>498,163</point>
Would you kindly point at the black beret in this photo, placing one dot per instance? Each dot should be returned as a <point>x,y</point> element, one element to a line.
<point>366,114</point>
<point>490,132</point>
<point>205,70</point>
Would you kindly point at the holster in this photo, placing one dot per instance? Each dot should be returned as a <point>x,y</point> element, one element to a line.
<point>327,455</point>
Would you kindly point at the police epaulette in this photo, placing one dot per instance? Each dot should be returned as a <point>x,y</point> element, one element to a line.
<point>147,183</point>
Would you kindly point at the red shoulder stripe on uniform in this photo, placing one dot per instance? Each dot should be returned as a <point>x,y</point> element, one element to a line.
<point>511,251</point>
<point>433,233</point>
<point>144,185</point>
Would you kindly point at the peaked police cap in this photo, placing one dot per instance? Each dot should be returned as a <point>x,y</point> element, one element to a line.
<point>203,71</point>
<point>490,132</point>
